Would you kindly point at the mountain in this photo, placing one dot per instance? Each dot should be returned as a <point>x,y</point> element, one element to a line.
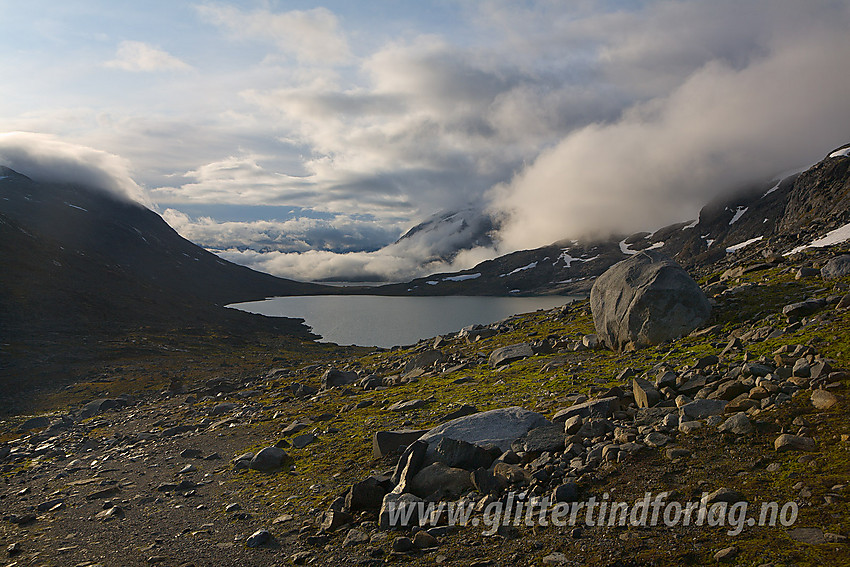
<point>772,217</point>
<point>447,233</point>
<point>78,261</point>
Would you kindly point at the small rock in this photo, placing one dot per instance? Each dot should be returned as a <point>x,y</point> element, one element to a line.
<point>823,400</point>
<point>738,424</point>
<point>645,393</point>
<point>269,459</point>
<point>726,555</point>
<point>355,537</point>
<point>656,439</point>
<point>424,540</point>
<point>813,536</point>
<point>258,538</point>
<point>788,442</point>
<point>301,441</point>
<point>556,558</point>
<point>402,544</point>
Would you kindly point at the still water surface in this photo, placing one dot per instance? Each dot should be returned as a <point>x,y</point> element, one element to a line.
<point>371,320</point>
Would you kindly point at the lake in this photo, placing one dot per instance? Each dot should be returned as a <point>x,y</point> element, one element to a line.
<point>372,320</point>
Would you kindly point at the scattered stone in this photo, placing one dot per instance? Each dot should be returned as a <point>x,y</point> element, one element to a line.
<point>332,520</point>
<point>424,540</point>
<point>656,439</point>
<point>803,308</point>
<point>603,407</point>
<point>301,441</point>
<point>333,378</point>
<point>701,409</point>
<point>567,492</point>
<point>646,300</point>
<point>191,454</point>
<point>788,442</point>
<point>424,361</point>
<point>823,400</point>
<point>387,442</point>
<point>677,453</point>
<point>726,555</point>
<point>738,424</point>
<point>269,459</point>
<point>688,427</point>
<point>408,405</point>
<point>402,544</point>
<point>400,503</point>
<point>556,558</point>
<point>258,538</point>
<point>510,353</point>
<point>723,495</point>
<point>355,537</point>
<point>14,549</point>
<point>366,495</point>
<point>812,536</point>
<point>645,393</point>
<point>110,514</point>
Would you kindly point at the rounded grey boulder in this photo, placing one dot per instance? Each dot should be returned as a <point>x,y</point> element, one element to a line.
<point>837,267</point>
<point>645,300</point>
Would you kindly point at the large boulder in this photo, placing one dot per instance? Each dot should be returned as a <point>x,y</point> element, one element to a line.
<point>498,427</point>
<point>837,267</point>
<point>646,300</point>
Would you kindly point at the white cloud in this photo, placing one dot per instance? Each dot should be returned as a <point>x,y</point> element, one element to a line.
<point>136,56</point>
<point>46,158</point>
<point>339,234</point>
<point>723,127</point>
<point>313,36</point>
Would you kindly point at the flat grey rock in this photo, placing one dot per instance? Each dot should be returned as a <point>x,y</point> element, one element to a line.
<point>499,427</point>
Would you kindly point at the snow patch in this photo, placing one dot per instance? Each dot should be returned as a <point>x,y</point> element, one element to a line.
<point>836,236</point>
<point>76,207</point>
<point>431,282</point>
<point>462,278</point>
<point>771,190</point>
<point>624,248</point>
<point>844,152</point>
<point>656,245</point>
<point>738,214</point>
<point>568,260</point>
<point>736,247</point>
<point>692,225</point>
<point>531,266</point>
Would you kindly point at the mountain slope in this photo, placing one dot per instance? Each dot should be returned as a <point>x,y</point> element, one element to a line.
<point>79,263</point>
<point>774,216</point>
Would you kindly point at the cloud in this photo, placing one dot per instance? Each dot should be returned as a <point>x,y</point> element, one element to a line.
<point>313,36</point>
<point>339,234</point>
<point>45,158</point>
<point>392,263</point>
<point>727,124</point>
<point>137,57</point>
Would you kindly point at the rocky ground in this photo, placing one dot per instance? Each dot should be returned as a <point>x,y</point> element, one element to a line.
<point>275,460</point>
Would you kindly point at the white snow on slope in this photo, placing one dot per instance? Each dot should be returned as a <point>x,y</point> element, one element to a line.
<point>568,260</point>
<point>461,278</point>
<point>738,214</point>
<point>736,247</point>
<point>692,225</point>
<point>528,267</point>
<point>624,248</point>
<point>844,152</point>
<point>836,236</point>
<point>76,207</point>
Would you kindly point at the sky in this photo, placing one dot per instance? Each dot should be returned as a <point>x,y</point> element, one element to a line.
<point>303,138</point>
